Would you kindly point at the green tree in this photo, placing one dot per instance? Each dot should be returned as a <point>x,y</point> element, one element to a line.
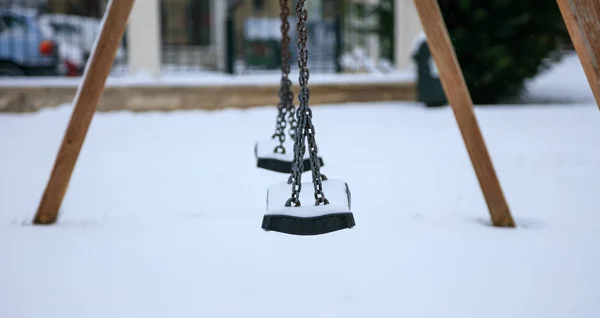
<point>502,43</point>
<point>499,43</point>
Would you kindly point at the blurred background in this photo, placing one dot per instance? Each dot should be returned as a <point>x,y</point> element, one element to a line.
<point>499,45</point>
<point>194,35</point>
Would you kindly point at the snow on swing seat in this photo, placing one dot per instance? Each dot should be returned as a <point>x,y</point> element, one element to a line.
<point>309,219</point>
<point>278,162</point>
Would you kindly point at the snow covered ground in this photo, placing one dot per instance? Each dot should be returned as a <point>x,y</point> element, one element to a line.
<point>209,78</point>
<point>162,217</point>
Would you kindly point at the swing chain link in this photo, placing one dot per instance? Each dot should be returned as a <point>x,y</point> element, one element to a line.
<point>285,60</point>
<point>286,98</point>
<point>305,127</point>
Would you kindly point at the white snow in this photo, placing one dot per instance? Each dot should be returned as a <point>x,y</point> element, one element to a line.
<point>163,215</point>
<point>334,190</point>
<point>207,78</point>
<point>417,42</point>
<point>564,83</point>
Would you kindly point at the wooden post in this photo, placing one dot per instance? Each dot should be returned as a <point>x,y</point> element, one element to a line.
<point>459,98</point>
<point>86,99</point>
<point>582,18</point>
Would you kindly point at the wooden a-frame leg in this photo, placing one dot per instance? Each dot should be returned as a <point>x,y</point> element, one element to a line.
<point>86,99</point>
<point>582,18</point>
<point>459,99</point>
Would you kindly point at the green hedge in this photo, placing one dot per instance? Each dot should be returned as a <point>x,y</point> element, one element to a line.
<point>502,43</point>
<point>499,43</point>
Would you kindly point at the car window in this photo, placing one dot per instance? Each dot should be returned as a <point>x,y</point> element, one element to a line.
<point>8,22</point>
<point>64,28</point>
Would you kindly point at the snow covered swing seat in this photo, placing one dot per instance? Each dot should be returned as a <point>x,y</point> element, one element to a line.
<point>308,218</point>
<point>270,159</point>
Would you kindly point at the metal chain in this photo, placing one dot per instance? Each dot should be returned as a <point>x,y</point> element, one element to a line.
<point>286,98</point>
<point>285,60</point>
<point>305,126</point>
<point>285,66</point>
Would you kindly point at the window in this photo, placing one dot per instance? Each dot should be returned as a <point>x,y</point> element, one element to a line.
<point>12,22</point>
<point>187,22</point>
<point>330,8</point>
<point>259,5</point>
<point>65,29</point>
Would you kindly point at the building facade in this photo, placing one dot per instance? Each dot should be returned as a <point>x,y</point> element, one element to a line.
<point>190,35</point>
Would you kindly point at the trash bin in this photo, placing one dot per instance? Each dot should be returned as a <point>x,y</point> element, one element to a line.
<point>429,85</point>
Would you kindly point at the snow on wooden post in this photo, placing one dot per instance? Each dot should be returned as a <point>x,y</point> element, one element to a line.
<point>459,98</point>
<point>582,18</point>
<point>85,101</point>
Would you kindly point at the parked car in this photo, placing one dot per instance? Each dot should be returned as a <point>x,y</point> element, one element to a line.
<point>22,30</point>
<point>77,31</point>
<point>26,49</point>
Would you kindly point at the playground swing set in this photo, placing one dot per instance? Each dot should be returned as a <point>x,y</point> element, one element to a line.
<point>329,209</point>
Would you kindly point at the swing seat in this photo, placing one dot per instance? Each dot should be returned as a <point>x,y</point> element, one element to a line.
<point>308,219</point>
<point>267,159</point>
